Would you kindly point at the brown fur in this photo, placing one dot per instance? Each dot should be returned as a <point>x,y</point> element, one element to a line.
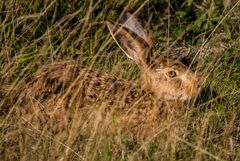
<point>62,92</point>
<point>58,89</point>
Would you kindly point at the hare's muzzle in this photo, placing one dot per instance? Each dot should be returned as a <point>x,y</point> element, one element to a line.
<point>196,86</point>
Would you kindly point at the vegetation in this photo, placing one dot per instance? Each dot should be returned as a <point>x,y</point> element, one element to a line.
<point>205,32</point>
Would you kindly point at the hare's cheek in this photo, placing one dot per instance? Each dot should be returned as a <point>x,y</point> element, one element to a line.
<point>161,78</point>
<point>177,83</point>
<point>159,81</point>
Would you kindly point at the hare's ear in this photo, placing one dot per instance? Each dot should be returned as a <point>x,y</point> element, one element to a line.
<point>132,45</point>
<point>130,21</point>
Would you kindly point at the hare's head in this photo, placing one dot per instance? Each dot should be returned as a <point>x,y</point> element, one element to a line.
<point>167,79</point>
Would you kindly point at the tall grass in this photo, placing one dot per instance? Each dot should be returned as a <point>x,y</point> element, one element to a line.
<point>35,33</point>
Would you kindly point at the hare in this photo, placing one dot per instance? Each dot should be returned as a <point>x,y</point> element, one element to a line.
<point>65,91</point>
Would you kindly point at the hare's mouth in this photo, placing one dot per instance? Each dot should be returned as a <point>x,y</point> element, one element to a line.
<point>184,97</point>
<point>172,97</point>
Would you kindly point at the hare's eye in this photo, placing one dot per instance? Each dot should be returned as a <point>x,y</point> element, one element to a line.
<point>172,74</point>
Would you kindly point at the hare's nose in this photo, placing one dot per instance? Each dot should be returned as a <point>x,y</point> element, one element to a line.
<point>198,85</point>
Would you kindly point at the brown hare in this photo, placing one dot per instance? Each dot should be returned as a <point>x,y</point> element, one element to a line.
<point>62,92</point>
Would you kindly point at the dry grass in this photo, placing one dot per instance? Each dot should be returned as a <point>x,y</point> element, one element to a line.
<point>36,33</point>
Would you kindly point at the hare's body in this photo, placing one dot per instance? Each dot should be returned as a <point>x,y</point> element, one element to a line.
<point>65,91</point>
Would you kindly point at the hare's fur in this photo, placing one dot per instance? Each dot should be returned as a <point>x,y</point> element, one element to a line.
<point>63,91</point>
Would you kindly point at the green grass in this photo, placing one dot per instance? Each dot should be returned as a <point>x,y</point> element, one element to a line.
<point>33,33</point>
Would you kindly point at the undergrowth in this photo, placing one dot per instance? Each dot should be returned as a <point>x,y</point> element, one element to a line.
<point>206,32</point>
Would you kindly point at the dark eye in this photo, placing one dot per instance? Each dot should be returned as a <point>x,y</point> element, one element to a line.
<point>172,74</point>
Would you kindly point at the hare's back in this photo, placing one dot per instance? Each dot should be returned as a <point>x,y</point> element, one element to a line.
<point>69,84</point>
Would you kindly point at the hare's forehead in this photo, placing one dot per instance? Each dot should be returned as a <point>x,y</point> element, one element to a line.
<point>169,63</point>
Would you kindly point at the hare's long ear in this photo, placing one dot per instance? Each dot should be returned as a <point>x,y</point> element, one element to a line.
<point>130,21</point>
<point>131,44</point>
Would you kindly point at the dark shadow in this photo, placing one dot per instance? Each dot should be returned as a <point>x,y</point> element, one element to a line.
<point>206,94</point>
